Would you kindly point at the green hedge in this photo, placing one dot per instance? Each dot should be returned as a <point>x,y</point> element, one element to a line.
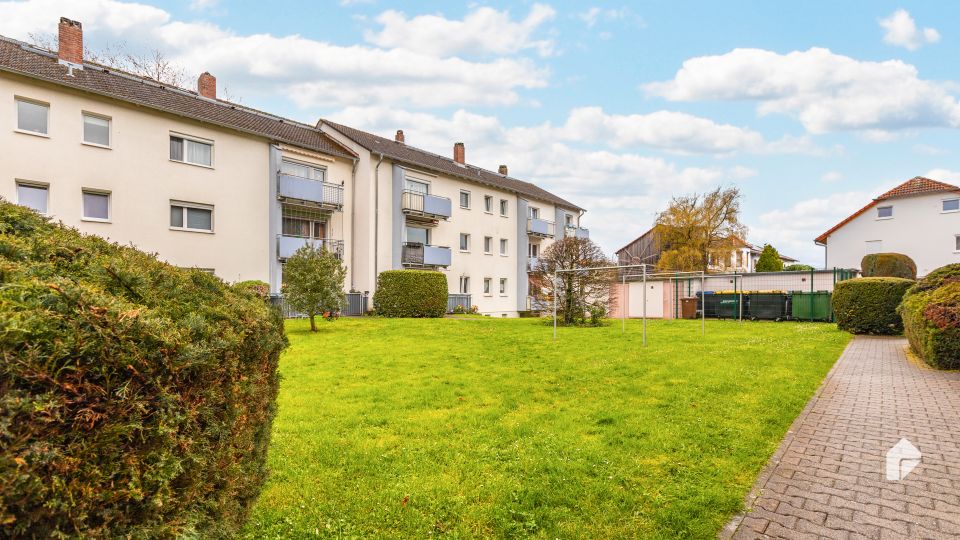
<point>411,293</point>
<point>136,398</point>
<point>931,317</point>
<point>888,265</point>
<point>869,305</point>
<point>254,286</point>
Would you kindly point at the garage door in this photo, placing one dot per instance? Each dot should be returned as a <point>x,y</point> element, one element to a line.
<point>654,299</point>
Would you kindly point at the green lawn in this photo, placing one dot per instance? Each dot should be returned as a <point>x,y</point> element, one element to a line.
<point>487,428</point>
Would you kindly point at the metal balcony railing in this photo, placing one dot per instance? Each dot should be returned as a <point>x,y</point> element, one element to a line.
<point>540,227</point>
<point>415,254</point>
<point>577,232</point>
<point>423,204</point>
<point>305,189</point>
<point>532,263</point>
<point>288,245</point>
<point>458,299</point>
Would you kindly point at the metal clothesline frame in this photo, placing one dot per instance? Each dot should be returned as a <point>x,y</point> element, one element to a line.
<point>623,282</point>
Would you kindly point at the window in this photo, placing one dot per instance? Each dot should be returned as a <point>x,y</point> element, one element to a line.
<point>417,235</point>
<point>96,130</point>
<point>488,204</point>
<point>32,116</point>
<point>533,250</point>
<point>503,207</point>
<point>303,222</point>
<point>486,285</point>
<point>96,205</point>
<point>488,244</point>
<point>951,205</point>
<point>956,242</point>
<point>465,199</point>
<point>191,151</point>
<point>568,220</point>
<point>884,212</point>
<point>32,196</point>
<point>302,170</point>
<point>464,242</point>
<point>503,285</point>
<point>534,213</point>
<point>191,217</point>
<point>503,246</point>
<point>416,186</point>
<point>464,284</point>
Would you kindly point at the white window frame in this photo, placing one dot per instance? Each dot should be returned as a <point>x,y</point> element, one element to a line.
<point>464,284</point>
<point>469,199</point>
<point>504,247</point>
<point>83,115</point>
<point>944,201</point>
<point>568,220</point>
<point>16,116</point>
<point>488,245</point>
<point>83,209</point>
<point>504,207</point>
<point>37,185</point>
<point>534,212</point>
<point>503,286</point>
<point>322,169</point>
<point>487,286</point>
<point>890,206</point>
<point>185,137</point>
<point>200,206</point>
<point>464,240</point>
<point>488,204</point>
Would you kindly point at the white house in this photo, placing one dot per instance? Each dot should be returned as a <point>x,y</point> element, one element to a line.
<point>919,218</point>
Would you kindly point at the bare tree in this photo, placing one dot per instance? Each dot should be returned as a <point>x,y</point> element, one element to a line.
<point>578,292</point>
<point>697,228</point>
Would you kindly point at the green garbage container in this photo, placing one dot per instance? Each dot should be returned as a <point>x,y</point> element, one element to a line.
<point>811,306</point>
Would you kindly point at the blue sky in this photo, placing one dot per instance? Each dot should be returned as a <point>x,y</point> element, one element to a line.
<point>810,108</point>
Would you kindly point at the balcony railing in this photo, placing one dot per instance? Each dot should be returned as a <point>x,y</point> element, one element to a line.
<point>415,203</point>
<point>577,232</point>
<point>288,245</point>
<point>414,254</point>
<point>540,227</point>
<point>322,193</point>
<point>456,299</point>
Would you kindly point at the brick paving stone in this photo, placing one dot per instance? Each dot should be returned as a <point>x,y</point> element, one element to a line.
<point>828,478</point>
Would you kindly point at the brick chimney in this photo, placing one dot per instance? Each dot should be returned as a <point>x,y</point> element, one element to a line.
<point>71,41</point>
<point>459,153</point>
<point>502,170</point>
<point>207,85</point>
<point>399,136</point>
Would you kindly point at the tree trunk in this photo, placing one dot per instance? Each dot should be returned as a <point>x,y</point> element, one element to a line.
<point>313,323</point>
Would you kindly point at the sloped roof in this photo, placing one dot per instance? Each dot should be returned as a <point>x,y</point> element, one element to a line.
<point>414,156</point>
<point>22,59</point>
<point>918,185</point>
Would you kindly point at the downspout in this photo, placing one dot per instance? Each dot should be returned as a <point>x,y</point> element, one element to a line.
<point>353,223</point>
<point>376,218</point>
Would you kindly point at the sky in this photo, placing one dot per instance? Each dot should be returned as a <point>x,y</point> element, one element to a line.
<point>810,108</point>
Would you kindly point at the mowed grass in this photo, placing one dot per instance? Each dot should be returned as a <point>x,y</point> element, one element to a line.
<point>487,428</point>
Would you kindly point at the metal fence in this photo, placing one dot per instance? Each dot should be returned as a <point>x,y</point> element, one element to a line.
<point>357,305</point>
<point>455,299</point>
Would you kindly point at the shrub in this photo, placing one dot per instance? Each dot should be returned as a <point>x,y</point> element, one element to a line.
<point>869,305</point>
<point>411,293</point>
<point>254,286</point>
<point>313,285</point>
<point>888,265</point>
<point>769,260</point>
<point>798,268</point>
<point>931,317</point>
<point>136,398</point>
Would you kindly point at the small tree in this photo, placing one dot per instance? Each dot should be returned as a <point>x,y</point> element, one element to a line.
<point>313,282</point>
<point>769,260</point>
<point>577,293</point>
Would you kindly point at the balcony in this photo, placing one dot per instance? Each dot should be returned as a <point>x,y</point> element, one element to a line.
<point>577,232</point>
<point>540,228</point>
<point>532,263</point>
<point>324,194</point>
<point>423,255</point>
<point>288,245</point>
<point>423,205</point>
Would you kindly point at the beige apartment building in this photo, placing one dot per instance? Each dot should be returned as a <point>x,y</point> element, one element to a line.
<point>214,185</point>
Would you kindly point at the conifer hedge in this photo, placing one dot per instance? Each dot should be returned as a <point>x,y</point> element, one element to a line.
<point>411,293</point>
<point>136,398</point>
<point>869,305</point>
<point>888,265</point>
<point>931,317</point>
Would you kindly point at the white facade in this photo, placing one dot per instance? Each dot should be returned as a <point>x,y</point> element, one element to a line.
<point>917,226</point>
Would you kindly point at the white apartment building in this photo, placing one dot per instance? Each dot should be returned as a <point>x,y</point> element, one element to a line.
<point>214,185</point>
<point>919,218</point>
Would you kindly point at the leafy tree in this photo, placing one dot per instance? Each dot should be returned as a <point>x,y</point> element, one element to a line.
<point>313,282</point>
<point>796,267</point>
<point>581,296</point>
<point>769,260</point>
<point>696,228</point>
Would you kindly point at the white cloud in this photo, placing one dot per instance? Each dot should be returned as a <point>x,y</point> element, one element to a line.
<point>806,220</point>
<point>483,30</point>
<point>944,175</point>
<point>200,5</point>
<point>312,73</point>
<point>902,31</point>
<point>594,14</point>
<point>831,177</point>
<point>825,91</point>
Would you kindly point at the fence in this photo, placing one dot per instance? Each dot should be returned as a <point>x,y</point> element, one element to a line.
<point>356,305</point>
<point>454,300</point>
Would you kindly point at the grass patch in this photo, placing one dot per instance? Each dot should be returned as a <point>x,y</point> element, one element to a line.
<point>477,427</point>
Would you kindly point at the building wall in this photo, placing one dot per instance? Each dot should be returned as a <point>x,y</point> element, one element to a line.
<point>142,180</point>
<point>918,228</point>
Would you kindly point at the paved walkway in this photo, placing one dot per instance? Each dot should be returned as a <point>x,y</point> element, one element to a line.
<point>828,478</point>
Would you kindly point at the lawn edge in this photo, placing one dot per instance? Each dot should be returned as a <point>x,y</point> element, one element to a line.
<point>766,473</point>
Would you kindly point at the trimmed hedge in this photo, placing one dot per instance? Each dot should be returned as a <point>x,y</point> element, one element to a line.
<point>931,317</point>
<point>136,398</point>
<point>411,293</point>
<point>888,265</point>
<point>869,305</point>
